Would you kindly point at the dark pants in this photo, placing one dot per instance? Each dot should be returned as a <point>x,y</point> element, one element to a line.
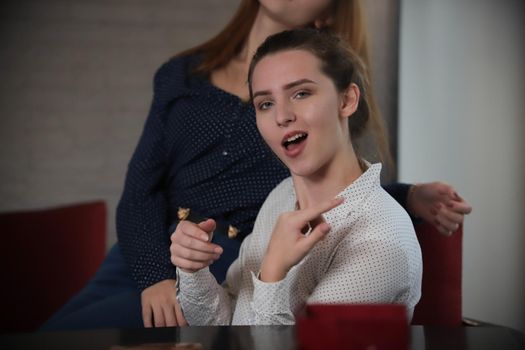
<point>111,299</point>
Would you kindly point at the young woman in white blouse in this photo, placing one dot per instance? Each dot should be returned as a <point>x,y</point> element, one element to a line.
<point>327,234</point>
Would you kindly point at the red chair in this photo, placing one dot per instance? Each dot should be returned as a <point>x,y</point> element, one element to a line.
<point>46,257</point>
<point>440,302</point>
<point>357,326</point>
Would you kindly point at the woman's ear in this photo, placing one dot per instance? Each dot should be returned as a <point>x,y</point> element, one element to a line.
<point>349,101</point>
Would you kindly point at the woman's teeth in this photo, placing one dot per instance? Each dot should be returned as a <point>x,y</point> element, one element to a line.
<point>294,139</point>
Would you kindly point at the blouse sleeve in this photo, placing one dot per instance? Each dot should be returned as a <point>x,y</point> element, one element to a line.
<point>142,213</point>
<point>203,301</point>
<point>271,302</point>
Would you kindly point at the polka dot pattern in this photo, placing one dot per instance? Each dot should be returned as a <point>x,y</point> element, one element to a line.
<point>200,149</point>
<point>371,255</point>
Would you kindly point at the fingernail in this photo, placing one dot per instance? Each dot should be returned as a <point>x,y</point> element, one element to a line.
<point>204,237</point>
<point>218,250</point>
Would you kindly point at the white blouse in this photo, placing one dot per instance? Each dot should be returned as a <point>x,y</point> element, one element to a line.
<point>371,255</point>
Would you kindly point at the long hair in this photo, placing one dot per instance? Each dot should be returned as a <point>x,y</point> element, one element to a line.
<point>348,22</point>
<point>223,47</point>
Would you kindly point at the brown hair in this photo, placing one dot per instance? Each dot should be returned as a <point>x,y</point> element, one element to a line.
<point>338,61</point>
<point>348,22</point>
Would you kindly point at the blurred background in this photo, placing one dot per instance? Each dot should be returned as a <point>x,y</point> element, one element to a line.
<point>76,85</point>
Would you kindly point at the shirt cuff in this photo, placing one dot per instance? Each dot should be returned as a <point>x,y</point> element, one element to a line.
<point>271,298</point>
<point>194,284</point>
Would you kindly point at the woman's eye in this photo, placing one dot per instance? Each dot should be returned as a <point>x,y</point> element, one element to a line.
<point>264,105</point>
<point>302,94</point>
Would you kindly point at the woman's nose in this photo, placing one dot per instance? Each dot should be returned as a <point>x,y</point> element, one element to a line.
<point>285,114</point>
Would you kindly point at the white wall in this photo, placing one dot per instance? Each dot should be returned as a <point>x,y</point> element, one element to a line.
<point>462,120</point>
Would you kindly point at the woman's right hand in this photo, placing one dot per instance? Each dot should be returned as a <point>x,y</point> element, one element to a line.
<point>190,247</point>
<point>289,245</point>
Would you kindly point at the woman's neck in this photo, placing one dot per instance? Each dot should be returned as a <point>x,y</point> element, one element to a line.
<point>263,26</point>
<point>328,182</point>
<point>232,77</point>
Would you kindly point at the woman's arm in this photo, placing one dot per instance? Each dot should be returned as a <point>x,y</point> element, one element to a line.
<point>142,212</point>
<point>203,300</point>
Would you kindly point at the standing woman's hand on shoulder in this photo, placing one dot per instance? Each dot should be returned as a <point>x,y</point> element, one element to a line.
<point>289,245</point>
<point>439,204</point>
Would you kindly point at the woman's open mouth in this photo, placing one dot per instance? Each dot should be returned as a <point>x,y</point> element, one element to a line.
<point>294,142</point>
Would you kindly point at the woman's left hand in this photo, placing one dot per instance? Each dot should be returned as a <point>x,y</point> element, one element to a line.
<point>438,204</point>
<point>288,245</point>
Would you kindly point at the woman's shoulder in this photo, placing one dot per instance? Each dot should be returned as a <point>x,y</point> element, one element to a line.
<point>380,217</point>
<point>177,65</point>
<point>174,74</point>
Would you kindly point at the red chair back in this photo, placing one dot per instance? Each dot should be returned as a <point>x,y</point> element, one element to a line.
<point>46,257</point>
<point>353,326</point>
<point>440,302</point>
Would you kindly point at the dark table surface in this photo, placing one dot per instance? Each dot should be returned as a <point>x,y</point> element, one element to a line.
<point>259,337</point>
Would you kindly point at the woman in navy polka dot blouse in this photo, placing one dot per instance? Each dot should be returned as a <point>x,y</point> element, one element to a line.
<point>200,150</point>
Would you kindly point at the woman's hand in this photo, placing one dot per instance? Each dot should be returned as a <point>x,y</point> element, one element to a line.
<point>190,247</point>
<point>160,307</point>
<point>438,204</point>
<point>288,245</point>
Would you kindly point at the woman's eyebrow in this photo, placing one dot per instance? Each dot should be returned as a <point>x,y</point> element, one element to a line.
<point>286,87</point>
<point>298,82</point>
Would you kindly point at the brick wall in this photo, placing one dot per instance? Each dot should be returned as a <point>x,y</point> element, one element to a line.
<point>75,89</point>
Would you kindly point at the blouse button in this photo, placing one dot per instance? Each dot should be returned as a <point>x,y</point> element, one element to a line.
<point>232,232</point>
